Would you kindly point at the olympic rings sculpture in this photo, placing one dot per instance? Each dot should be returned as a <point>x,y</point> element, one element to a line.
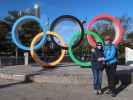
<point>40,38</point>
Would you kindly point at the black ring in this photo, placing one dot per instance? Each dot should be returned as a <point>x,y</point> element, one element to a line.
<point>68,17</point>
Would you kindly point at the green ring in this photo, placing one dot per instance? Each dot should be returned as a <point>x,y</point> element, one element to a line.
<point>96,36</point>
<point>73,58</point>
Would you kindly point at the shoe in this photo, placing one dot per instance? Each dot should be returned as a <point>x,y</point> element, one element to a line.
<point>100,92</point>
<point>109,92</point>
<point>97,92</point>
<point>113,94</point>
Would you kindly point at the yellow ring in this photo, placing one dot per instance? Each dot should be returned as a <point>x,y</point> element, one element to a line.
<point>38,60</point>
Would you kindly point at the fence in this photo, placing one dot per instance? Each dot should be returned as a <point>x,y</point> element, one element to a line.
<point>12,60</point>
<point>9,61</point>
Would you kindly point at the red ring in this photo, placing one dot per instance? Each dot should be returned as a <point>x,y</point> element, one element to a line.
<point>117,25</point>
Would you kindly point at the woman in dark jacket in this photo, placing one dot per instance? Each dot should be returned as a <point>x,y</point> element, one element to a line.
<point>97,66</point>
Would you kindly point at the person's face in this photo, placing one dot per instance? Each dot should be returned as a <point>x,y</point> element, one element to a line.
<point>99,47</point>
<point>107,41</point>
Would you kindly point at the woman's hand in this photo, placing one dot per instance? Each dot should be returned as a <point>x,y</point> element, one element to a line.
<point>101,59</point>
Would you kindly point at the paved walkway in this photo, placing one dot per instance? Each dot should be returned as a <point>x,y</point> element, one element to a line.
<point>17,90</point>
<point>69,82</point>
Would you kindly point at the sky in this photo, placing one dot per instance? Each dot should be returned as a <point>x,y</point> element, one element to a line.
<point>78,8</point>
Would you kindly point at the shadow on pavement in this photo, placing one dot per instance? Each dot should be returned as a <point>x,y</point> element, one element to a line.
<point>27,80</point>
<point>12,84</point>
<point>123,80</point>
<point>129,63</point>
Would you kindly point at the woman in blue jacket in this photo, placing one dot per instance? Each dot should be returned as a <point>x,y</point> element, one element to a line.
<point>110,58</point>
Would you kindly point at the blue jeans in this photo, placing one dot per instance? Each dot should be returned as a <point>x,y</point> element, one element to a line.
<point>97,75</point>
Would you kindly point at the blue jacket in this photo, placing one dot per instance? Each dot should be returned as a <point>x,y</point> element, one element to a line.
<point>110,54</point>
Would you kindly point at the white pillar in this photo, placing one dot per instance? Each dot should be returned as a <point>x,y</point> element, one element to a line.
<point>26,58</point>
<point>37,10</point>
<point>0,62</point>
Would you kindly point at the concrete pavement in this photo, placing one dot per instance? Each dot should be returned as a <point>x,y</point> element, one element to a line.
<point>19,90</point>
<point>69,82</point>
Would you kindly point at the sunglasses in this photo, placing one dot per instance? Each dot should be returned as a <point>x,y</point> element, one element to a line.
<point>99,45</point>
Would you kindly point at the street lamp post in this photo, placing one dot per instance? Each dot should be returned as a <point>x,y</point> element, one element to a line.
<point>37,10</point>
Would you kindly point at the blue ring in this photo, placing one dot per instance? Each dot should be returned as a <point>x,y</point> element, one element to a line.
<point>15,39</point>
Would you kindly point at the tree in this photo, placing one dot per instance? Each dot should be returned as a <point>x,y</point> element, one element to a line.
<point>105,27</point>
<point>4,29</point>
<point>28,27</point>
<point>126,22</point>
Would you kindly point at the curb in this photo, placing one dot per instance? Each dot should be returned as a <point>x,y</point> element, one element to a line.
<point>12,77</point>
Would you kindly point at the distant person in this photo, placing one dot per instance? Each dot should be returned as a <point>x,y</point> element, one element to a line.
<point>97,67</point>
<point>110,58</point>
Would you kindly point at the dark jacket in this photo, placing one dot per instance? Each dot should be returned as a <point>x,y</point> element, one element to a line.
<point>94,59</point>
